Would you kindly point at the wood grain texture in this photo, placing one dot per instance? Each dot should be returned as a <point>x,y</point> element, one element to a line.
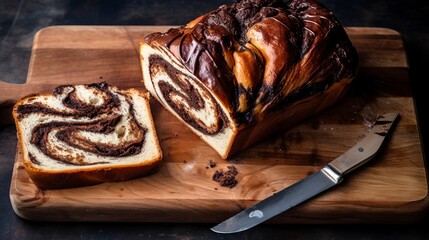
<point>390,188</point>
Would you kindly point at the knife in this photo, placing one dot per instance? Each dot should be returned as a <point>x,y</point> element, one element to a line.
<point>329,176</point>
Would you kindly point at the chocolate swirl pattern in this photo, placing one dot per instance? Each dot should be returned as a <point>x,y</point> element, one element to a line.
<point>236,66</point>
<point>91,132</point>
<point>188,99</point>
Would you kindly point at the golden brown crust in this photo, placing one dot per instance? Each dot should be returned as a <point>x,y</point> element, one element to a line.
<point>281,120</point>
<point>68,179</point>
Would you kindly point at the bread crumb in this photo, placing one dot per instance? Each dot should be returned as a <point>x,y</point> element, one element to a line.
<point>226,178</point>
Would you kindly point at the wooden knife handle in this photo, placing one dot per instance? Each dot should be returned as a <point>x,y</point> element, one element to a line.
<point>368,147</point>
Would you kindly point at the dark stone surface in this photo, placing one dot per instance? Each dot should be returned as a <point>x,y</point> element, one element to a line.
<point>19,20</point>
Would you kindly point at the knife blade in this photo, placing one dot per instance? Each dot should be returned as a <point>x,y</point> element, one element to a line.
<point>327,177</point>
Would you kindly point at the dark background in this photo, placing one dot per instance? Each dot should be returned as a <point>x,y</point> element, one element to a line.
<point>20,20</point>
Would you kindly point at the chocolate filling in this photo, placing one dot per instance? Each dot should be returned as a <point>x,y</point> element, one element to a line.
<point>68,132</point>
<point>33,159</point>
<point>80,108</point>
<point>190,94</point>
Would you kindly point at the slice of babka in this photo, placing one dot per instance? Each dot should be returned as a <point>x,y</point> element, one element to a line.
<point>86,134</point>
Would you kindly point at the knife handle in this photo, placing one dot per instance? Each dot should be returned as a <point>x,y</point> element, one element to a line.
<point>366,149</point>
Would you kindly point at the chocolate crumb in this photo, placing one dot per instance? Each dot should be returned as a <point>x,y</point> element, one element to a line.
<point>184,161</point>
<point>211,164</point>
<point>226,178</point>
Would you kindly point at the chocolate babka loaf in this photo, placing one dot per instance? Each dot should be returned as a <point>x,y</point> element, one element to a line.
<point>86,134</point>
<point>246,70</point>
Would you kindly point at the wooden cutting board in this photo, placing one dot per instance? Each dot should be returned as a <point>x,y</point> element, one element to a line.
<point>391,188</point>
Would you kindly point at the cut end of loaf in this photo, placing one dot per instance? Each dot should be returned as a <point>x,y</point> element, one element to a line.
<point>181,93</point>
<point>86,134</point>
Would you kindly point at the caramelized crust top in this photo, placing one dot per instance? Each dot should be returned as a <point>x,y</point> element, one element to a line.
<point>260,55</point>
